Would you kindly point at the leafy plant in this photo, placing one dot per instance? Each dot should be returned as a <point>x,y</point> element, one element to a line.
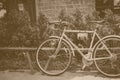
<point>43,26</point>
<point>111,20</point>
<point>19,28</point>
<point>18,32</point>
<point>79,20</point>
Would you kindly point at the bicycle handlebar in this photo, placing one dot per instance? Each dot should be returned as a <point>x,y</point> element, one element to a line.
<point>60,22</point>
<point>67,24</point>
<point>97,22</point>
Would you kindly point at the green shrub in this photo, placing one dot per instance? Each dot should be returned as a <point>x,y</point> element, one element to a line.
<point>43,26</point>
<point>111,20</point>
<point>79,20</point>
<point>19,31</point>
<point>19,28</point>
<point>16,31</point>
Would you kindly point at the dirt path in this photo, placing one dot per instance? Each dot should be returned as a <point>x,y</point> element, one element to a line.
<point>66,76</point>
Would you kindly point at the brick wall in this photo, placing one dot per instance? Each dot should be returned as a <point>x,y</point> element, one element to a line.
<point>52,8</point>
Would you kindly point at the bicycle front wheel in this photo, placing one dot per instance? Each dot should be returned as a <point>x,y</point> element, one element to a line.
<point>50,62</point>
<point>107,56</point>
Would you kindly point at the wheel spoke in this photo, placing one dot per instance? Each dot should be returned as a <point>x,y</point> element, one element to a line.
<point>108,66</point>
<point>50,62</point>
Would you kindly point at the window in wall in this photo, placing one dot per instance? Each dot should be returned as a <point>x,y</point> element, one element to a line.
<point>117,6</point>
<point>103,4</point>
<point>117,3</point>
<point>114,5</point>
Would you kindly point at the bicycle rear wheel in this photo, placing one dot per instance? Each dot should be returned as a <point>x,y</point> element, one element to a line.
<point>50,63</point>
<point>108,63</point>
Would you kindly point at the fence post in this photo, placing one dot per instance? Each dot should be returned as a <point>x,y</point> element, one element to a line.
<point>29,62</point>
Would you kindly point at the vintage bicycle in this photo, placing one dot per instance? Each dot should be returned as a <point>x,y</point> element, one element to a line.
<point>54,55</point>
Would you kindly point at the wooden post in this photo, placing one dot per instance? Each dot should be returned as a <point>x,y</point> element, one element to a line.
<point>29,62</point>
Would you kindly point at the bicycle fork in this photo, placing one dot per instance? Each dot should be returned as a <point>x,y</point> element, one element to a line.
<point>59,44</point>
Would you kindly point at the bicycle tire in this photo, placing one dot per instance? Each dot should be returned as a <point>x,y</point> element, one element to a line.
<point>110,66</point>
<point>56,65</point>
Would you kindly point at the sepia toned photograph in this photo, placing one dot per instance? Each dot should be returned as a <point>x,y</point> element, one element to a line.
<point>59,39</point>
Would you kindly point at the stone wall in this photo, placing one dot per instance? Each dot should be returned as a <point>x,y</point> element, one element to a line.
<point>52,8</point>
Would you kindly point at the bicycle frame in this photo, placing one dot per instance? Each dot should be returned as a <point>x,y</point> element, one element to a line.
<point>91,48</point>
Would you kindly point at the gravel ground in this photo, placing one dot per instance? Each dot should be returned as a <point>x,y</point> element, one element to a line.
<point>6,75</point>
